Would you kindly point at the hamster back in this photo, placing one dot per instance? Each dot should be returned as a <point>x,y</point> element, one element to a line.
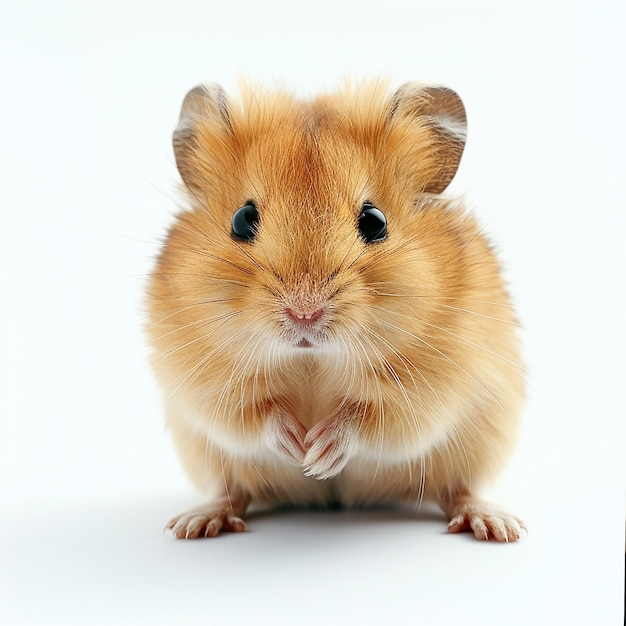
<point>325,324</point>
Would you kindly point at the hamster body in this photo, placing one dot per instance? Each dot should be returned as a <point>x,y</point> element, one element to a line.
<point>326,326</point>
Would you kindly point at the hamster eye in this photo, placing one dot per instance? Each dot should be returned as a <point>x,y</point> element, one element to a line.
<point>372,223</point>
<point>245,221</point>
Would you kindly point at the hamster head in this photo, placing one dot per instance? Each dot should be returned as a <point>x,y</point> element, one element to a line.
<point>314,227</point>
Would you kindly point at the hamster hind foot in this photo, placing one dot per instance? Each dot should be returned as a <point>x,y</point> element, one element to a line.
<point>469,514</point>
<point>210,519</point>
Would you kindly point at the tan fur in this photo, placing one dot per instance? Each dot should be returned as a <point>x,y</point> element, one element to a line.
<point>413,387</point>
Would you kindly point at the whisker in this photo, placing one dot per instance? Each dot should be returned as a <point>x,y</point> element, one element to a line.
<point>505,305</point>
<point>457,336</point>
<point>478,314</point>
<point>448,359</point>
<point>215,257</point>
<point>203,363</point>
<point>194,324</point>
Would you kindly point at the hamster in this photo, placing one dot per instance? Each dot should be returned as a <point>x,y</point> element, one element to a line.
<point>326,326</point>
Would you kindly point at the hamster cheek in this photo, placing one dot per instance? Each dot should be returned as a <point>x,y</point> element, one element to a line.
<point>284,435</point>
<point>330,445</point>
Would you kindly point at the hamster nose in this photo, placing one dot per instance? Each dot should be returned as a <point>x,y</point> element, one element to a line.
<point>303,316</point>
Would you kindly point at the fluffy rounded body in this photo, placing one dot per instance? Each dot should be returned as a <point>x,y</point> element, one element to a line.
<point>305,365</point>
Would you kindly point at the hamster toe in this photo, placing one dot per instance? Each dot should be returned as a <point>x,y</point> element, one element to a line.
<point>326,466</point>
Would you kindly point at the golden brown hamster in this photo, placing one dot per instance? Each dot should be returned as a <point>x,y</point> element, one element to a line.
<point>326,326</point>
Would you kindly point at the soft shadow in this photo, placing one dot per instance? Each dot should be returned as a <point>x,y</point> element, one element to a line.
<point>391,514</point>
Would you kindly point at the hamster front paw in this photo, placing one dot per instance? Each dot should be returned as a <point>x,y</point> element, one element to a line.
<point>330,445</point>
<point>285,436</point>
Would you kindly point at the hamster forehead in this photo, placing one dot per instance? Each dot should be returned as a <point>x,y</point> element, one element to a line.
<point>301,167</point>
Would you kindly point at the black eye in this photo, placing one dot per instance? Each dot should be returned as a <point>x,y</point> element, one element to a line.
<point>245,222</point>
<point>372,223</point>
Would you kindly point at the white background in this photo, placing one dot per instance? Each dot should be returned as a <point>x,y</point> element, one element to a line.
<point>89,96</point>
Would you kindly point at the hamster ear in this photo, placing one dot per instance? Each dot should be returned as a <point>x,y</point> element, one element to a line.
<point>442,111</point>
<point>205,104</point>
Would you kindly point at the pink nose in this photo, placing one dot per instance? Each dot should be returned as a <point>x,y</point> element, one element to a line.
<point>304,317</point>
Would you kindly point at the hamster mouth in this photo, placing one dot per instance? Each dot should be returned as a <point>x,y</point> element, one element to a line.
<point>305,326</point>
